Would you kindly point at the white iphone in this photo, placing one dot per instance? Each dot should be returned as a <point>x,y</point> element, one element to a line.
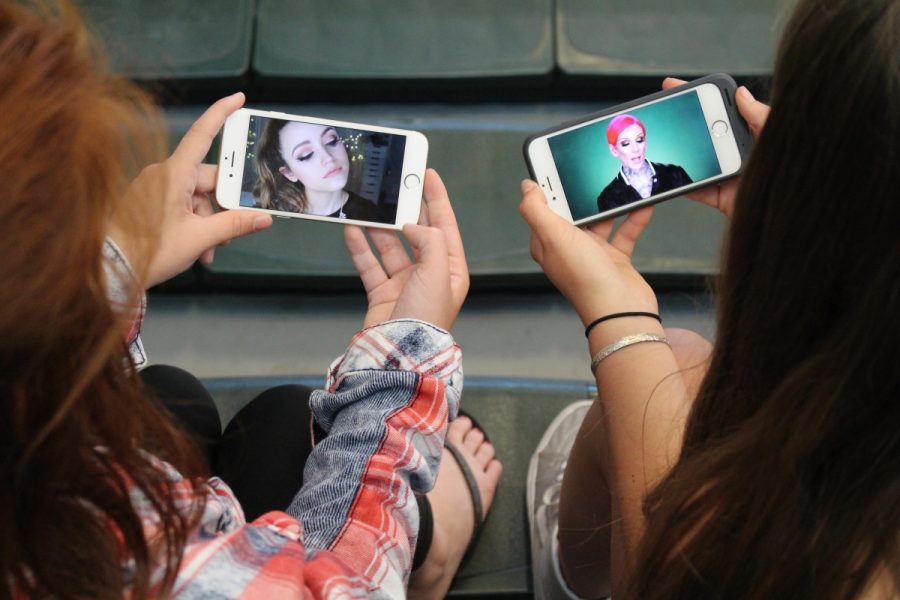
<point>641,152</point>
<point>320,169</point>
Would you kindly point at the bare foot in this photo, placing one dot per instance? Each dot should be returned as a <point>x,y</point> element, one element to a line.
<point>453,527</point>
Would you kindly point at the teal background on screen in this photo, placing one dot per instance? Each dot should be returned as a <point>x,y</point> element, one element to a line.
<point>676,134</point>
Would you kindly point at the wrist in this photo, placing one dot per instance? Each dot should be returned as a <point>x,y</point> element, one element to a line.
<point>403,345</point>
<point>125,296</point>
<point>619,315</point>
<point>609,331</point>
<point>130,247</point>
<point>593,307</point>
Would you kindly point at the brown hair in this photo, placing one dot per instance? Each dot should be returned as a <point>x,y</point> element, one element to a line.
<point>74,421</point>
<point>272,189</point>
<point>788,483</point>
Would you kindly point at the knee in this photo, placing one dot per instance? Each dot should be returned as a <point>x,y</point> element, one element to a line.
<point>168,382</point>
<point>288,403</point>
<point>689,346</point>
<point>692,352</point>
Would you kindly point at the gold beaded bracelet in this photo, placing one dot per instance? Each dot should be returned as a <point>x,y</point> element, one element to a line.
<point>623,342</point>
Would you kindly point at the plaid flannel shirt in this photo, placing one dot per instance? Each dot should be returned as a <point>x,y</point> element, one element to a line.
<point>351,530</point>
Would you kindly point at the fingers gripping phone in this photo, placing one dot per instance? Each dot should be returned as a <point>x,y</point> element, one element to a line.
<point>653,148</point>
<point>319,169</point>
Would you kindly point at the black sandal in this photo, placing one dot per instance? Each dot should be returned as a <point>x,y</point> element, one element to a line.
<point>472,484</point>
<point>426,520</point>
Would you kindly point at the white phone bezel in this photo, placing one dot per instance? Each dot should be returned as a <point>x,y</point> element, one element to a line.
<point>711,103</point>
<point>233,152</point>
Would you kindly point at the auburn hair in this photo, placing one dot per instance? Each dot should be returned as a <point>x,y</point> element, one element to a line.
<point>77,431</point>
<point>788,482</point>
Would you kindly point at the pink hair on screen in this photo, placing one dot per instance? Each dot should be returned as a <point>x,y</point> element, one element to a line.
<point>619,124</point>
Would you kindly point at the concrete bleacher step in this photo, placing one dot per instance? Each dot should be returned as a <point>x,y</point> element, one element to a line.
<point>503,334</point>
<point>376,39</point>
<point>406,39</point>
<point>514,412</point>
<point>174,39</point>
<point>664,37</point>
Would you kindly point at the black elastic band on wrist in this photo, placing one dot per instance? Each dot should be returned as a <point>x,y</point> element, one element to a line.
<point>595,322</point>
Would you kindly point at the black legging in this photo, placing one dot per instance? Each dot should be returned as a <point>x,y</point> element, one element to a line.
<point>263,449</point>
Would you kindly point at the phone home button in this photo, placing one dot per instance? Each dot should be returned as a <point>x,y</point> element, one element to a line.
<point>411,181</point>
<point>719,128</point>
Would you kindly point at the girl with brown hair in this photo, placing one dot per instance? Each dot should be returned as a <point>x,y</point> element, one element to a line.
<point>768,464</point>
<point>103,494</point>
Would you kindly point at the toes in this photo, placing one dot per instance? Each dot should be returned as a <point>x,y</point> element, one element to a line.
<point>473,439</point>
<point>488,484</point>
<point>485,453</point>
<point>458,428</point>
<point>492,473</point>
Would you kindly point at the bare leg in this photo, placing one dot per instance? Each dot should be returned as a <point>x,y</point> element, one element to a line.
<point>585,518</point>
<point>453,527</point>
<point>585,511</point>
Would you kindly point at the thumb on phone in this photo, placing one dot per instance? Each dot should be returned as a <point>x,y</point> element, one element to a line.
<point>533,205</point>
<point>195,236</point>
<point>229,224</point>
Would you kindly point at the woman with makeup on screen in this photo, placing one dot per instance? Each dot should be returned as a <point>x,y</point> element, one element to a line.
<point>637,178</point>
<point>304,167</point>
<point>766,464</point>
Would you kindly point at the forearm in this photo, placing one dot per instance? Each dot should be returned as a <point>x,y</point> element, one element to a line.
<point>385,412</point>
<point>644,407</point>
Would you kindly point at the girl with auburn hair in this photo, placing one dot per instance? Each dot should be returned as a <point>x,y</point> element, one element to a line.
<point>103,495</point>
<point>68,130</point>
<point>768,464</point>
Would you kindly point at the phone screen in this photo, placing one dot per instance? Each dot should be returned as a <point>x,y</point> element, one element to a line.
<point>323,170</point>
<point>634,155</point>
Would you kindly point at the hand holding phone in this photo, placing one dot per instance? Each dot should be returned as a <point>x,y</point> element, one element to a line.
<point>591,265</point>
<point>320,169</point>
<point>189,229</point>
<point>641,152</point>
<point>432,288</point>
<point>754,112</point>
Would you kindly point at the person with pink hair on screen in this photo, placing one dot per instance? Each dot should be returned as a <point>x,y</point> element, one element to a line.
<point>637,178</point>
